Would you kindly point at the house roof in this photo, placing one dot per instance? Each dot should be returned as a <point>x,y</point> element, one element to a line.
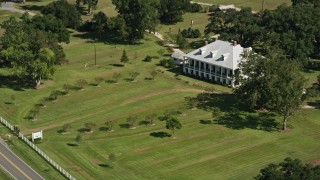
<point>220,53</point>
<point>178,55</point>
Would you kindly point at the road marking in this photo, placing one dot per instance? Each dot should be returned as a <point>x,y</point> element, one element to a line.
<point>15,166</point>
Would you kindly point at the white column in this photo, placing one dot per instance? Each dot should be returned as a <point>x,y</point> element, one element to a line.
<point>221,79</point>
<point>210,69</point>
<point>194,67</point>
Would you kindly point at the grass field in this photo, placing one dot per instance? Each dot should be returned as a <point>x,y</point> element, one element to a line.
<point>254,4</point>
<point>235,148</point>
<point>198,151</point>
<point>4,175</point>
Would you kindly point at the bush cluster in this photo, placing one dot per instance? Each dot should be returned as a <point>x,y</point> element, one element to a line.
<point>168,63</point>
<point>191,33</point>
<point>194,7</point>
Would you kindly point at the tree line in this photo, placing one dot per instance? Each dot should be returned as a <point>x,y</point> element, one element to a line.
<point>31,46</point>
<point>135,17</point>
<point>294,29</point>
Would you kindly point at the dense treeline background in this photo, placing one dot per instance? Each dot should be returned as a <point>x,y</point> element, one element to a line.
<point>294,29</point>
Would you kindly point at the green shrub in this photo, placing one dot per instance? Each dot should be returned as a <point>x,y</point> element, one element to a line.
<point>191,33</point>
<point>147,59</point>
<point>81,83</point>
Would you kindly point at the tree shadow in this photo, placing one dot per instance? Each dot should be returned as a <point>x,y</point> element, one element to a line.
<point>32,7</point>
<point>16,83</point>
<point>84,130</point>
<point>260,121</point>
<point>110,81</point>
<point>176,70</point>
<point>146,123</point>
<point>207,101</point>
<point>105,165</point>
<point>117,65</point>
<point>104,129</point>
<point>124,125</point>
<point>205,121</point>
<point>72,144</point>
<point>148,78</point>
<point>128,79</point>
<point>81,9</point>
<point>110,38</point>
<point>28,117</point>
<point>315,104</point>
<point>160,134</point>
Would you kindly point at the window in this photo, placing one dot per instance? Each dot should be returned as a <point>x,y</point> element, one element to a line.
<point>213,69</point>
<point>201,65</point>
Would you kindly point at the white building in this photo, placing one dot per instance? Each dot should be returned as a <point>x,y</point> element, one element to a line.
<point>178,57</point>
<point>216,61</point>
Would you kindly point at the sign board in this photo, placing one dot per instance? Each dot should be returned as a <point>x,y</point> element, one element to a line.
<point>37,135</point>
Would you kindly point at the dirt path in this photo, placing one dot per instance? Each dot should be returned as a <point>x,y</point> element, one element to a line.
<point>8,6</point>
<point>167,43</point>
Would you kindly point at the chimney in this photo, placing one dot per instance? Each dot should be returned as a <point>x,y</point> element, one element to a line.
<point>200,51</point>
<point>205,43</point>
<point>234,43</point>
<point>222,57</point>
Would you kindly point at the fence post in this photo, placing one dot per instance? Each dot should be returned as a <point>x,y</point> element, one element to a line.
<point>35,148</point>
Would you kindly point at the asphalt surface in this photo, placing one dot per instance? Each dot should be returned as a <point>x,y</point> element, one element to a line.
<point>14,166</point>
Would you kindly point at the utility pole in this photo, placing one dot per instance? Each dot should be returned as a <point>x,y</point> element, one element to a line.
<point>262,5</point>
<point>95,53</point>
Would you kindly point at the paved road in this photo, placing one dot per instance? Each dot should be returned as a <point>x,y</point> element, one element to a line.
<point>14,166</point>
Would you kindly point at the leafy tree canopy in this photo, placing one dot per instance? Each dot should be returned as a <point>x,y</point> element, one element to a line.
<point>296,30</point>
<point>173,124</point>
<point>289,169</point>
<point>29,50</point>
<point>61,9</point>
<point>137,17</point>
<point>272,82</point>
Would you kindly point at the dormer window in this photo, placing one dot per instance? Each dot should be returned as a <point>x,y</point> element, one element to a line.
<point>213,53</point>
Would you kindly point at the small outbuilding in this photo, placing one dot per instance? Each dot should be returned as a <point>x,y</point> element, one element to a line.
<point>178,57</point>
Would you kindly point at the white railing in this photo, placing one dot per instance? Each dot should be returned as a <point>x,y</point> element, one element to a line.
<point>39,151</point>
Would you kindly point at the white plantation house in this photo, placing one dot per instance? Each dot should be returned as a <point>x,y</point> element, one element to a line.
<point>216,61</point>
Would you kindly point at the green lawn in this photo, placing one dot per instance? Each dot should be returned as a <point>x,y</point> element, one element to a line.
<point>27,155</point>
<point>4,175</point>
<point>254,4</point>
<point>204,151</point>
<point>232,149</point>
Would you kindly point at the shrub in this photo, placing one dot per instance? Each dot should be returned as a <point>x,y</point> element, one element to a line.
<point>98,80</point>
<point>133,75</point>
<point>168,63</point>
<point>194,7</point>
<point>81,83</point>
<point>54,95</point>
<point>313,91</point>
<point>191,33</point>
<point>147,59</point>
<point>116,76</point>
<point>67,88</point>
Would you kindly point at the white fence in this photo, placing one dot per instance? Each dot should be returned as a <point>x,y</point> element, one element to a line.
<point>39,151</point>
